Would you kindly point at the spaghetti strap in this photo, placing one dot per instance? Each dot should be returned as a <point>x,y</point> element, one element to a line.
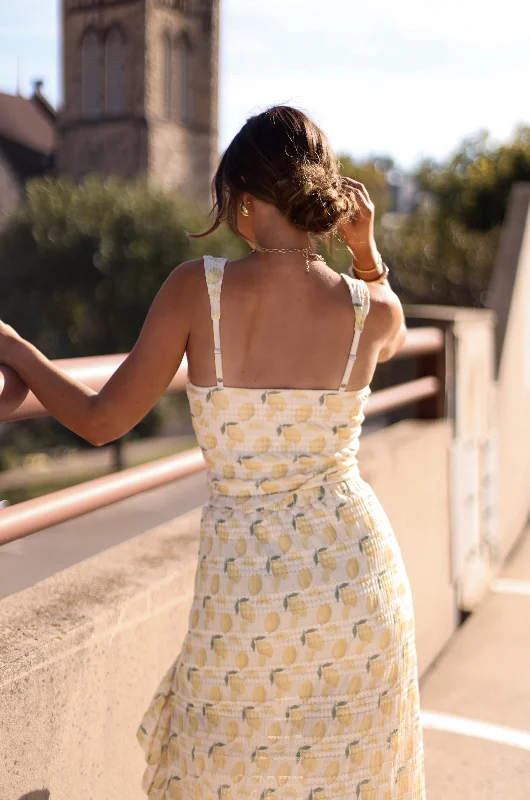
<point>361,305</point>
<point>214,272</point>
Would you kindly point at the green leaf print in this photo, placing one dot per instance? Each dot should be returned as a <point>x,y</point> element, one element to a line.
<point>355,627</point>
<point>341,704</point>
<point>360,785</point>
<point>299,753</point>
<point>349,746</point>
<point>227,675</point>
<point>297,516</point>
<point>338,588</point>
<point>289,709</point>
<point>323,666</point>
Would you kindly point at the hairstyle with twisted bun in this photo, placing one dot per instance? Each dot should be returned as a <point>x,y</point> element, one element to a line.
<point>281,157</point>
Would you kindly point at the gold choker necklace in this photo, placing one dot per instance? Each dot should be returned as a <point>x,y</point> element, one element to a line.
<point>306,251</point>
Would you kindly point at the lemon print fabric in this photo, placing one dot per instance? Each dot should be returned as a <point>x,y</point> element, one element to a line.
<point>297,678</point>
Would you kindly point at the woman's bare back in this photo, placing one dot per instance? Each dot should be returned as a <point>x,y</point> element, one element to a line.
<point>283,327</point>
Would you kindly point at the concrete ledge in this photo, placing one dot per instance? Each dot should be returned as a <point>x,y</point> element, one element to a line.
<point>82,652</point>
<point>81,655</point>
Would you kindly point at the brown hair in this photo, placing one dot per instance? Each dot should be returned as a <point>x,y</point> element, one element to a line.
<point>281,157</point>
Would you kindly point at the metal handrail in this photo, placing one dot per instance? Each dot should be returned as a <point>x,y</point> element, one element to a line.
<point>16,403</point>
<point>39,513</point>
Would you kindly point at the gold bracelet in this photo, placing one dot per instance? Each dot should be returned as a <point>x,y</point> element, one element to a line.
<point>377,266</point>
<point>379,279</point>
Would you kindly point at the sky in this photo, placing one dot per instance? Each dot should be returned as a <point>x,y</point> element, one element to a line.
<point>409,79</point>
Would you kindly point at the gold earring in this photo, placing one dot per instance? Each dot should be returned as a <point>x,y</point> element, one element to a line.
<point>244,209</point>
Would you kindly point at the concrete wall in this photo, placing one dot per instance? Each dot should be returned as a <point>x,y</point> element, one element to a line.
<point>509,296</point>
<point>82,653</point>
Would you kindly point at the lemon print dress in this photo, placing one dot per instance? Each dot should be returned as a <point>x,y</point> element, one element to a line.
<point>297,678</point>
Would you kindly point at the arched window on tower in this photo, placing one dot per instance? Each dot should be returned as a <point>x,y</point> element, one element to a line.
<point>167,76</point>
<point>185,56</point>
<point>91,63</point>
<point>114,72</point>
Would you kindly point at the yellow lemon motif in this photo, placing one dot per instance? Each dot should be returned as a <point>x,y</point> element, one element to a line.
<point>210,441</point>
<point>330,534</point>
<point>255,584</point>
<point>305,578</point>
<point>331,773</point>
<point>306,690</point>
<point>354,685</point>
<point>376,762</point>
<point>218,757</point>
<point>238,770</point>
<point>276,402</point>
<point>241,546</point>
<point>272,621</point>
<point>196,408</point>
<point>323,613</point>
<point>330,675</point>
<point>308,761</point>
<point>289,655</point>
<point>279,471</point>
<point>246,411</point>
<point>274,732</point>
<point>291,433</point>
<point>367,793</point>
<point>262,445</point>
<point>260,694</point>
<point>270,487</point>
<point>219,400</point>
<point>339,648</point>
<point>264,648</point>
<point>229,471</point>
<point>303,413</point>
<point>234,433</point>
<point>334,404</point>
<point>226,622</point>
<point>352,568</point>
<point>242,659</point>
<point>242,496</point>
<point>317,444</point>
<point>285,542</point>
<point>355,753</point>
<point>283,773</point>
<point>304,526</point>
<point>318,731</point>
<point>214,583</point>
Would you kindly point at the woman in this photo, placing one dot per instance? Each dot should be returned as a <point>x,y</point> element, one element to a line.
<point>297,677</point>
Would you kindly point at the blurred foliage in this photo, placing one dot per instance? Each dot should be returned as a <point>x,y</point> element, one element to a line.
<point>79,269</point>
<point>444,251</point>
<point>80,265</point>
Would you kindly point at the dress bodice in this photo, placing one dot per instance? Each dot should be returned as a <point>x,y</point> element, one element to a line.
<point>263,446</point>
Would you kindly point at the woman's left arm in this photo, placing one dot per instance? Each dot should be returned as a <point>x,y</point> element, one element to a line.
<point>137,384</point>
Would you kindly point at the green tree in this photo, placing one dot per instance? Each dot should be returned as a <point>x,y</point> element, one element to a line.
<point>80,266</point>
<point>444,251</point>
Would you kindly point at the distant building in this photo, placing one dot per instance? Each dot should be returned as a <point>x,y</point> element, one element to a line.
<point>141,91</point>
<point>27,144</point>
<point>141,86</point>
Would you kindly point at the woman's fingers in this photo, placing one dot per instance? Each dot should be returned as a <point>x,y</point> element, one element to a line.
<point>359,188</point>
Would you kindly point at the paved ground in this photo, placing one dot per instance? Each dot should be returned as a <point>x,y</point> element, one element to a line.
<point>476,699</point>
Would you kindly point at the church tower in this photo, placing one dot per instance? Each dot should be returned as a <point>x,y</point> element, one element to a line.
<point>141,91</point>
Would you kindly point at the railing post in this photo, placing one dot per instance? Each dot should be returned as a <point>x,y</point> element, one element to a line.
<point>470,407</point>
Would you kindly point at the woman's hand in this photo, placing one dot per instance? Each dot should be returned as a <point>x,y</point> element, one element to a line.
<point>8,336</point>
<point>358,233</point>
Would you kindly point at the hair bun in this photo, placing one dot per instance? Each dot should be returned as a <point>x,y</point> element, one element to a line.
<point>313,198</point>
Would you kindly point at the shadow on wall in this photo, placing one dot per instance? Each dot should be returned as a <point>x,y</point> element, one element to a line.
<point>41,794</point>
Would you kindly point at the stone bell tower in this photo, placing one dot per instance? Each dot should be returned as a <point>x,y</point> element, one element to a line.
<point>141,91</point>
